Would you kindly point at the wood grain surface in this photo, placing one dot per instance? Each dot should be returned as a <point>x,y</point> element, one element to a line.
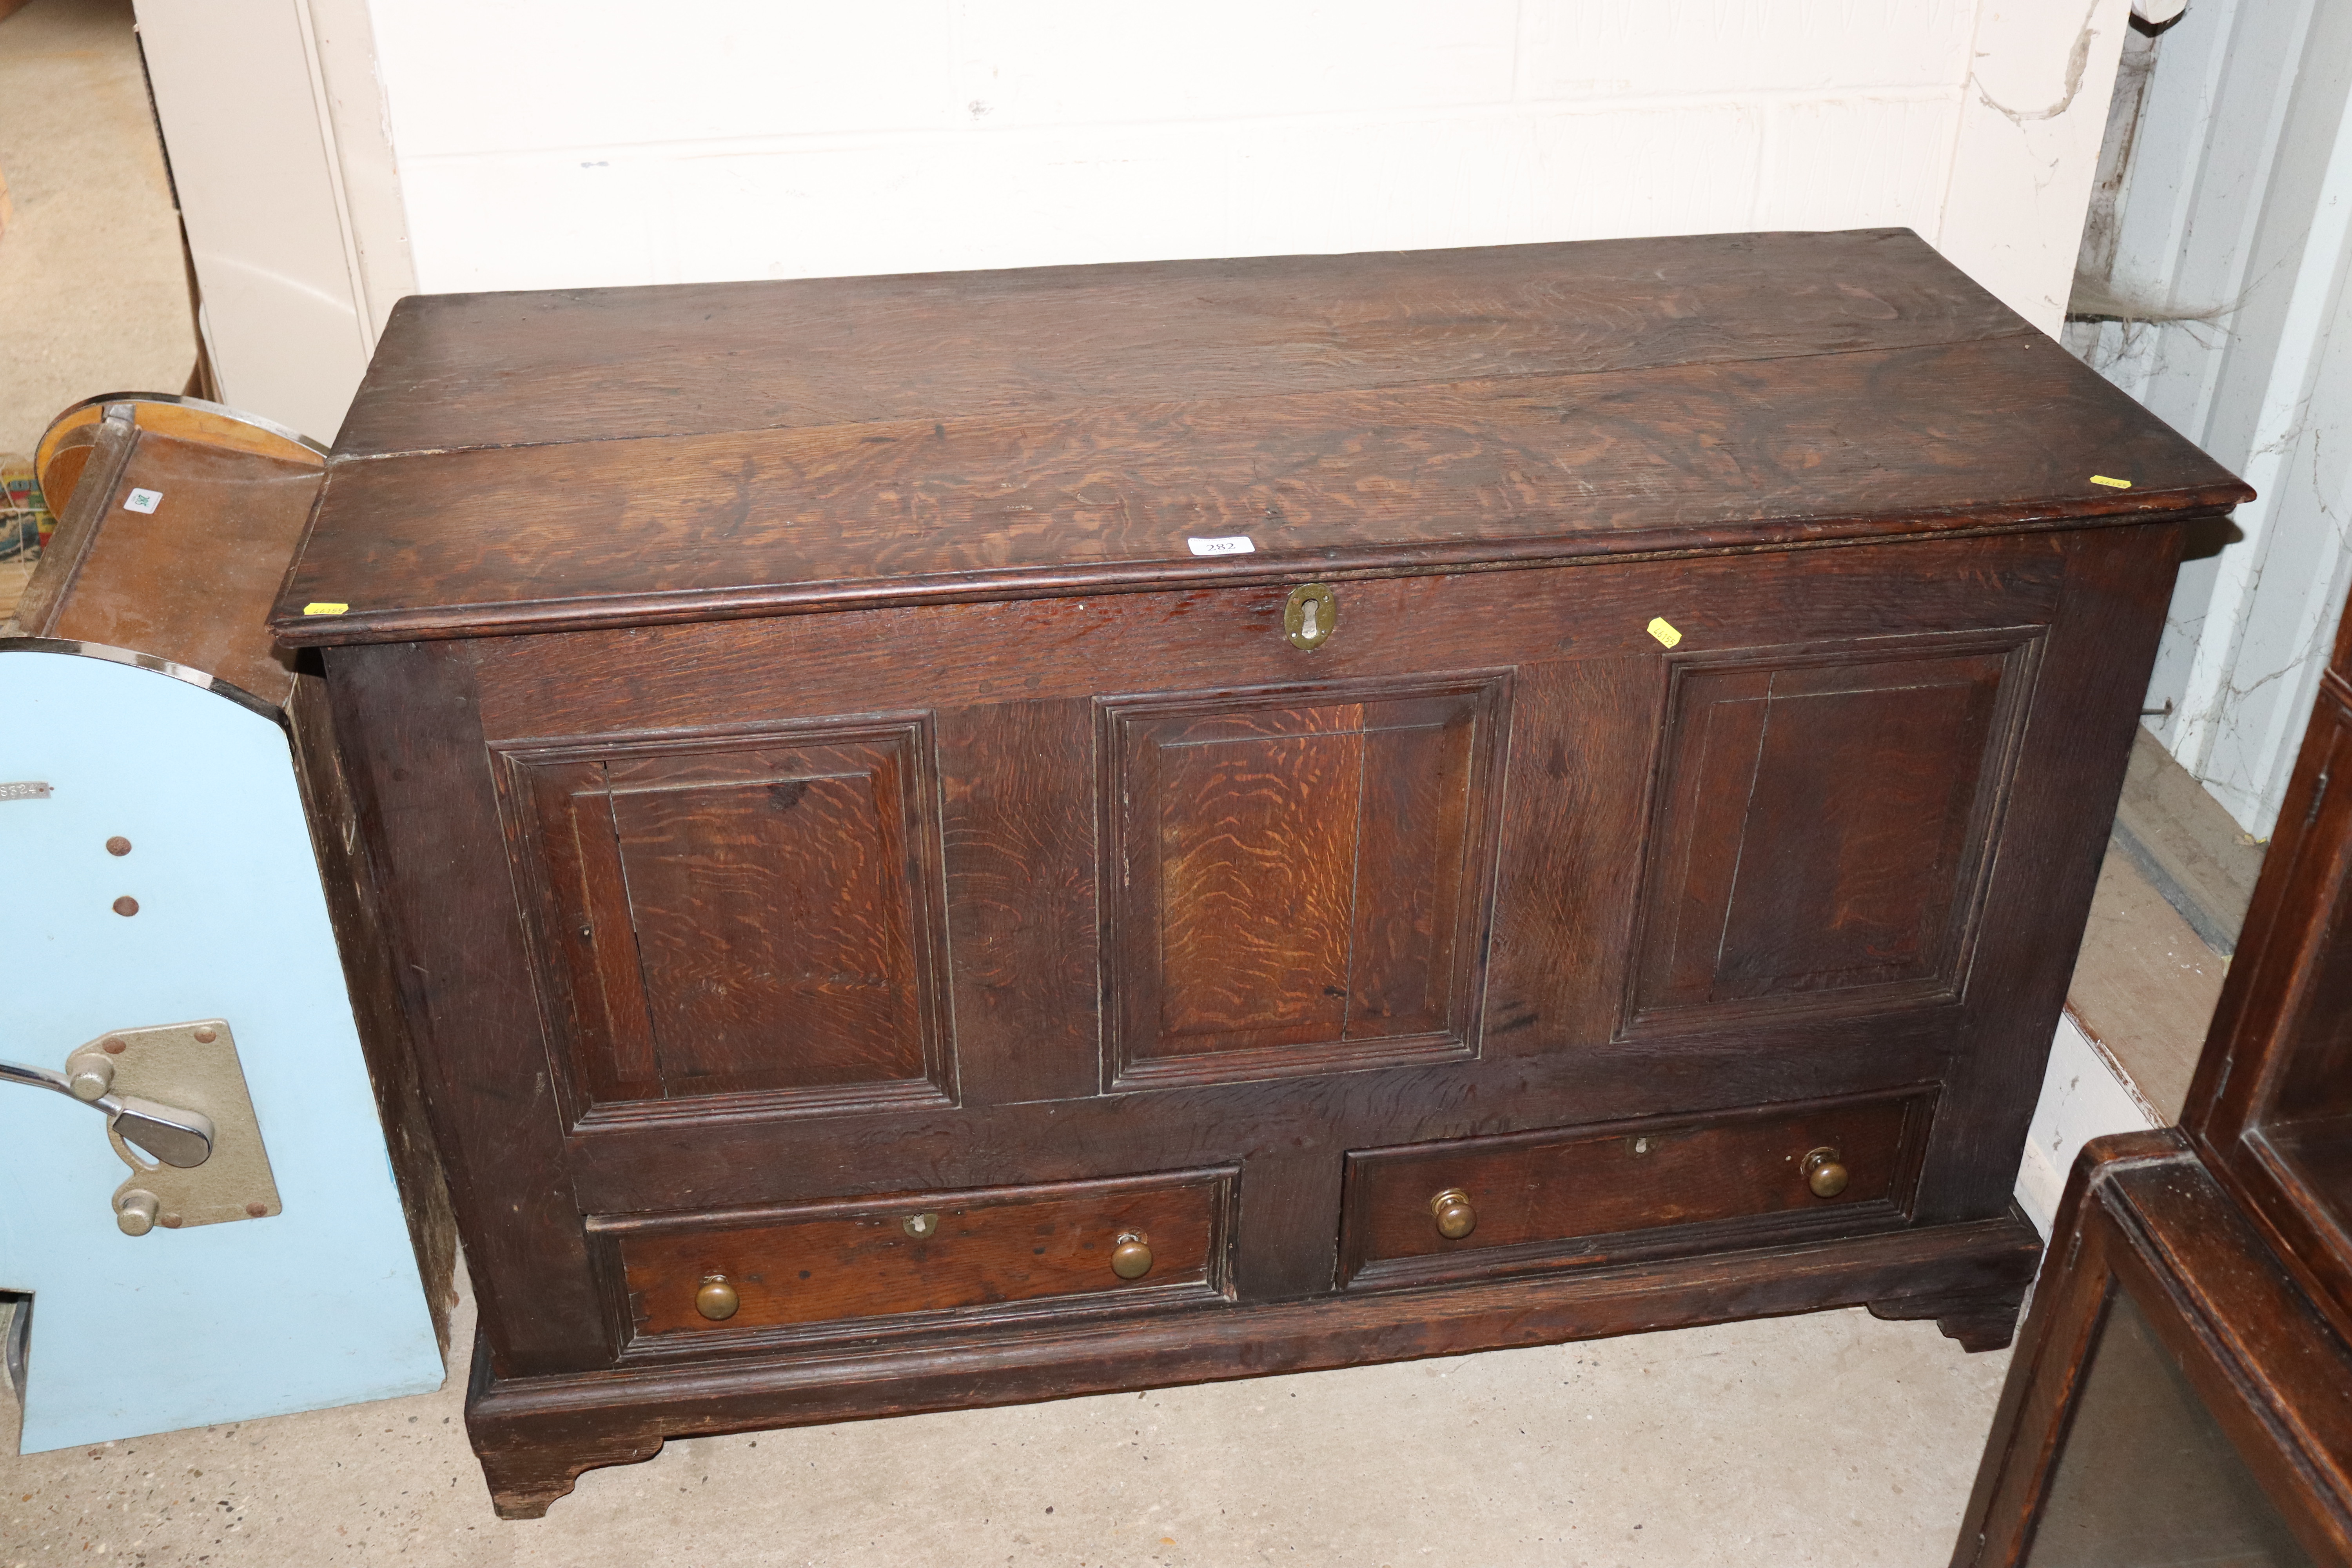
<point>2271,1106</point>
<point>1591,1182</point>
<point>844,1263</point>
<point>535,1435</point>
<point>1734,672</point>
<point>984,435</point>
<point>1823,817</point>
<point>191,582</point>
<point>2250,1353</point>
<point>1299,876</point>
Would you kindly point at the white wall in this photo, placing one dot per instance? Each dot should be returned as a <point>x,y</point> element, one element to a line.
<point>335,153</point>
<point>2233,243</point>
<point>543,144</point>
<point>274,125</point>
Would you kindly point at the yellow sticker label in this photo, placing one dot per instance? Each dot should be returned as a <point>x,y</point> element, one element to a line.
<point>323,608</point>
<point>2112,484</point>
<point>1664,630</point>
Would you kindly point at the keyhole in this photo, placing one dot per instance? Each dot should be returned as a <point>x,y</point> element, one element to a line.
<point>1310,616</point>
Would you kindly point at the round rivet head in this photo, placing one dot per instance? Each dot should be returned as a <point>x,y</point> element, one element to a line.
<point>207,1034</point>
<point>717,1299</point>
<point>112,1046</point>
<point>1825,1174</point>
<point>118,845</point>
<point>126,905</point>
<point>1130,1258</point>
<point>134,1211</point>
<point>89,1077</point>
<point>1456,1218</point>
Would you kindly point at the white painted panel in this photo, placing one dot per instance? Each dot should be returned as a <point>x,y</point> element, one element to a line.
<point>1046,195</point>
<point>2233,240</point>
<point>2083,1097</point>
<point>1857,163</point>
<point>472,76</point>
<point>1576,49</point>
<point>237,100</point>
<point>2030,126</point>
<point>1074,61</point>
<point>563,146</point>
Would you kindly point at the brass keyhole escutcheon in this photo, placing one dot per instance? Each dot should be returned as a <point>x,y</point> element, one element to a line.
<point>1824,1173</point>
<point>717,1299</point>
<point>1456,1217</point>
<point>1310,616</point>
<point>919,1225</point>
<point>1130,1258</point>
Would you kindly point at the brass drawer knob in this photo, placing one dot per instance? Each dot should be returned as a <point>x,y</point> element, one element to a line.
<point>1456,1217</point>
<point>1824,1173</point>
<point>1132,1257</point>
<point>717,1299</point>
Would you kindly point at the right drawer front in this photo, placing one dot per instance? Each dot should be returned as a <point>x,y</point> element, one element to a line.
<point>1532,1193</point>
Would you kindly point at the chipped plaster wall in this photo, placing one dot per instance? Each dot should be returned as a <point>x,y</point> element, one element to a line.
<point>2227,267</point>
<point>599,144</point>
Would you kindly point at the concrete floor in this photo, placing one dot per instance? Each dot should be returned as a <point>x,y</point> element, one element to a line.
<point>1833,1439</point>
<point>93,290</point>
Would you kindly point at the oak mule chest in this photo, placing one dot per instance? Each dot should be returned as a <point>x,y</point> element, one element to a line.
<point>964,838</point>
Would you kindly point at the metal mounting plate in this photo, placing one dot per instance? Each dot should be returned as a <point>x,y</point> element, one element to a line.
<point>177,1063</point>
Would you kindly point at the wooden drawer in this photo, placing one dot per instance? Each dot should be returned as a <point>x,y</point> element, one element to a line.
<point>920,1252</point>
<point>1543,1198</point>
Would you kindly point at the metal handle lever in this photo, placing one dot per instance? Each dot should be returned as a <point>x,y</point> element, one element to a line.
<point>181,1138</point>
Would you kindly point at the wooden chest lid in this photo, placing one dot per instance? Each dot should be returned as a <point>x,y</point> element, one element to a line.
<point>591,457</point>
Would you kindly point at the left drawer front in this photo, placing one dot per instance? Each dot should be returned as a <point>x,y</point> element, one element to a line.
<point>930,1252</point>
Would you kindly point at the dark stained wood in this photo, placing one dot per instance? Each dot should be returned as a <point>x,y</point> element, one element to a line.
<point>785,668</point>
<point>2271,1107</point>
<point>355,911</point>
<point>1299,877</point>
<point>1975,1320</point>
<point>2217,1252</point>
<point>1823,819</point>
<point>1033,862</point>
<point>535,1436</point>
<point>192,581</point>
<point>2093,668</point>
<point>752,915</point>
<point>1555,1194</point>
<point>1396,480</point>
<point>1020,852</point>
<point>1508,446</point>
<point>420,776</point>
<point>484,369</point>
<point>849,1262</point>
<point>2143,1218</point>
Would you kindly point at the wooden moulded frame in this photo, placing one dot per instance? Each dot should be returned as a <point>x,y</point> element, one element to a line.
<point>2229,1232</point>
<point>2271,1107</point>
<point>2142,1216</point>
